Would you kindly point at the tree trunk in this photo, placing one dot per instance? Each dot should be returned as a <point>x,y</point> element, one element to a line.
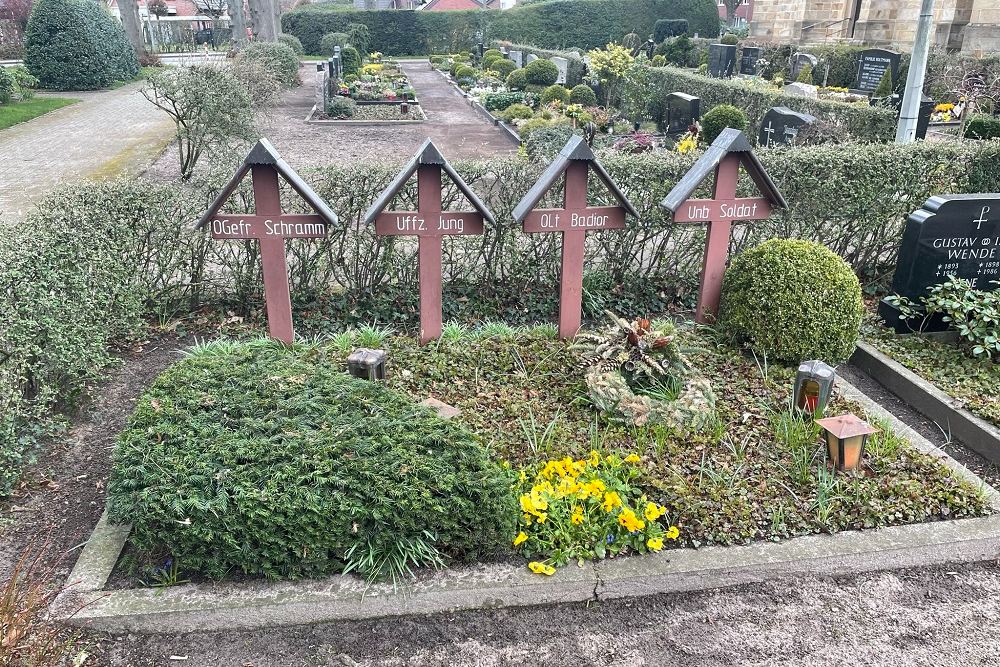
<point>133,26</point>
<point>262,17</point>
<point>238,22</point>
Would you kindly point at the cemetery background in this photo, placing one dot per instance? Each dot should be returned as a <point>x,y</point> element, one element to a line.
<point>229,277</point>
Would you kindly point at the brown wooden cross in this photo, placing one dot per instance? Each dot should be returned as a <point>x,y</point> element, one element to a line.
<point>429,224</point>
<point>724,156</point>
<point>270,226</point>
<point>573,221</point>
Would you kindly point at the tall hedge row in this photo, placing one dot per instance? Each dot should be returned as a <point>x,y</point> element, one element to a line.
<point>77,45</point>
<point>64,300</point>
<point>584,24</point>
<point>862,123</point>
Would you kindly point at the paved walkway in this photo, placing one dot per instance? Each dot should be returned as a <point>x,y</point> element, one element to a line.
<point>107,132</point>
<point>457,130</point>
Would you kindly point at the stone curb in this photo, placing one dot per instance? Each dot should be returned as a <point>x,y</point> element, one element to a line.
<point>258,604</point>
<point>930,401</point>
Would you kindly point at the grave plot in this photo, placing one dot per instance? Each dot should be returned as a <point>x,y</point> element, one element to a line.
<point>376,90</point>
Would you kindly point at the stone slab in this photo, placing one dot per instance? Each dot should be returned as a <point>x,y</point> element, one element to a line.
<point>444,410</point>
<point>930,401</point>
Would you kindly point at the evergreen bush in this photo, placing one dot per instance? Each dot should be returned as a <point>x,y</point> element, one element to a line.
<point>465,73</point>
<point>273,461</point>
<point>6,86</point>
<point>515,112</point>
<point>805,74</point>
<point>517,80</point>
<point>292,42</point>
<point>340,107</point>
<point>278,59</point>
<point>665,28</point>
<point>555,93</point>
<point>503,67</point>
<point>500,101</point>
<point>792,300</point>
<point>351,60</point>
<point>983,127</point>
<point>583,94</point>
<point>77,45</point>
<point>729,38</point>
<point>721,117</point>
<point>541,72</point>
<point>330,41</point>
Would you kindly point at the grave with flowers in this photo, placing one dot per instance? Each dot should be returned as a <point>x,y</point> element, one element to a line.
<point>630,438</point>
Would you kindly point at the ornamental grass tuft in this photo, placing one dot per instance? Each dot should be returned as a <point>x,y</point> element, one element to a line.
<point>272,461</point>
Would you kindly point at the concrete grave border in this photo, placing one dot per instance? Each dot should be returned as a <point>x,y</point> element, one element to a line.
<point>258,604</point>
<point>928,400</point>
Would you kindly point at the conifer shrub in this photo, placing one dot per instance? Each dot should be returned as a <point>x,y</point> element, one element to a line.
<point>77,45</point>
<point>792,300</point>
<point>806,74</point>
<point>583,94</point>
<point>721,117</point>
<point>983,127</point>
<point>350,59</point>
<point>331,40</point>
<point>273,461</point>
<point>515,112</point>
<point>729,38</point>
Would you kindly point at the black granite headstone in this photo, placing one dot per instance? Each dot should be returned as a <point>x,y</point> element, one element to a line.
<point>748,60</point>
<point>721,60</point>
<point>780,126</point>
<point>682,111</point>
<point>924,117</point>
<point>950,235</point>
<point>872,64</point>
<point>800,60</point>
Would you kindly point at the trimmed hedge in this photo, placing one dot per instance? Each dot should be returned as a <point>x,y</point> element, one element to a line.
<point>276,57</point>
<point>77,45</point>
<point>271,461</point>
<point>862,123</point>
<point>584,24</point>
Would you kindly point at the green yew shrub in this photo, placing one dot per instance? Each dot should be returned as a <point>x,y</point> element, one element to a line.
<point>884,87</point>
<point>517,80</point>
<point>555,93</point>
<point>293,43</point>
<point>541,72</point>
<point>277,58</point>
<point>503,67</point>
<point>329,42</point>
<point>273,461</point>
<point>805,74</point>
<point>77,45</point>
<point>983,127</point>
<point>583,94</point>
<point>465,73</point>
<point>351,60</point>
<point>792,300</point>
<point>665,28</point>
<point>721,117</point>
<point>492,53</point>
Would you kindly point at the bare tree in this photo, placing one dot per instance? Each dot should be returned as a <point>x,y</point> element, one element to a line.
<point>214,9</point>
<point>975,85</point>
<point>238,20</point>
<point>262,16</point>
<point>731,7</point>
<point>133,25</point>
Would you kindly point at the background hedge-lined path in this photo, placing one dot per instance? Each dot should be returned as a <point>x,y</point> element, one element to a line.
<point>105,133</point>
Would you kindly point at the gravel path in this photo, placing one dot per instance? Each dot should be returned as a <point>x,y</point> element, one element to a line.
<point>107,132</point>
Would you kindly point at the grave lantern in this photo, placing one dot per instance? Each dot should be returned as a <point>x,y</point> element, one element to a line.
<point>813,385</point>
<point>367,364</point>
<point>845,437</point>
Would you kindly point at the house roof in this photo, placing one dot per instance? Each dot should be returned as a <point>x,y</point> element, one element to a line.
<point>263,153</point>
<point>576,149</point>
<point>729,141</point>
<point>427,154</point>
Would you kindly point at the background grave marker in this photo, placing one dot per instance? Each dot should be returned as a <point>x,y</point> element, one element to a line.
<point>270,226</point>
<point>724,156</point>
<point>872,64</point>
<point>721,60</point>
<point>430,224</point>
<point>748,60</point>
<point>781,125</point>
<point>573,221</point>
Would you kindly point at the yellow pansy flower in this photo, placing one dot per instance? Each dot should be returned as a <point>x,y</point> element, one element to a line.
<point>577,517</point>
<point>541,568</point>
<point>594,459</point>
<point>654,511</point>
<point>521,537</point>
<point>630,521</point>
<point>672,533</point>
<point>654,543</point>
<point>611,501</point>
<point>632,458</point>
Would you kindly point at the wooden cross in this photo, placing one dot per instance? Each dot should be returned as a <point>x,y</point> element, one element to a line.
<point>573,221</point>
<point>270,227</point>
<point>725,155</point>
<point>429,224</point>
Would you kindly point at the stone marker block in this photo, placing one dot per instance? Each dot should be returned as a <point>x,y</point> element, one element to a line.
<point>444,410</point>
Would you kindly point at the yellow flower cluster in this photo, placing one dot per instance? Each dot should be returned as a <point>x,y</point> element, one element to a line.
<point>688,143</point>
<point>941,108</point>
<point>587,508</point>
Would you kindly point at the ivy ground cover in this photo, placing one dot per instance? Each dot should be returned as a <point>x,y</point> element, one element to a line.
<point>272,461</point>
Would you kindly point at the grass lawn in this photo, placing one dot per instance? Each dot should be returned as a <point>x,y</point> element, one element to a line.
<point>974,381</point>
<point>19,112</point>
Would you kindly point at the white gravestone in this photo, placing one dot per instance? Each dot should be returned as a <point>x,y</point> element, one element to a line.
<point>563,65</point>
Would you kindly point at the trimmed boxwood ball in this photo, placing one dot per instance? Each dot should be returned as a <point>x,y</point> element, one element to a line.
<point>792,300</point>
<point>272,461</point>
<point>583,94</point>
<point>517,80</point>
<point>541,72</point>
<point>721,117</point>
<point>492,53</point>
<point>516,111</point>
<point>554,93</point>
<point>77,45</point>
<point>276,57</point>
<point>503,67</point>
<point>292,42</point>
